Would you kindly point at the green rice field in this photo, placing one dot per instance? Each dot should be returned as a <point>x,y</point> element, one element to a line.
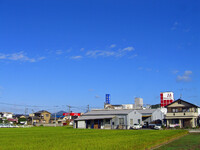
<point>65,138</point>
<point>188,142</point>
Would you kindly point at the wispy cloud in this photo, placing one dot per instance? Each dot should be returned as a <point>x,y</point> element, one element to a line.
<point>19,56</point>
<point>96,53</point>
<point>175,25</point>
<point>186,77</point>
<point>76,57</point>
<point>128,48</point>
<point>175,71</point>
<point>97,96</point>
<point>82,49</point>
<point>113,45</point>
<point>90,90</point>
<point>109,53</point>
<point>59,52</point>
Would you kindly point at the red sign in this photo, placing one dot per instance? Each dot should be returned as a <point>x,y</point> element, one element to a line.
<point>71,114</point>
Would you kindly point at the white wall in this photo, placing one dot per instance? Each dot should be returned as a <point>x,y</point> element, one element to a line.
<point>81,124</point>
<point>7,115</point>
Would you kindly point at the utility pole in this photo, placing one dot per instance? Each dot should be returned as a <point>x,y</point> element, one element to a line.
<point>55,116</point>
<point>32,116</point>
<point>55,119</point>
<point>88,108</point>
<point>69,112</point>
<point>26,110</point>
<point>69,108</point>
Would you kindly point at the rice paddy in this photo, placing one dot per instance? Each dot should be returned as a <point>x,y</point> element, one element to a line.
<point>65,138</point>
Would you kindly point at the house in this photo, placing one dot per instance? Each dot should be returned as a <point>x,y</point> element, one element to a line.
<point>32,120</point>
<point>6,115</point>
<point>151,115</point>
<point>181,113</point>
<point>108,119</point>
<point>22,119</point>
<point>42,116</point>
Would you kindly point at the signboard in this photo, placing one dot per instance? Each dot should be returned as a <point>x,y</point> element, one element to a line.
<point>71,114</point>
<point>107,98</point>
<point>166,98</point>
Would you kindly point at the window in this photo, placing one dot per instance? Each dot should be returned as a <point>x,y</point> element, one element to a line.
<point>47,115</point>
<point>107,121</point>
<point>131,121</point>
<point>175,121</point>
<point>121,121</point>
<point>186,109</point>
<point>139,121</point>
<point>174,110</point>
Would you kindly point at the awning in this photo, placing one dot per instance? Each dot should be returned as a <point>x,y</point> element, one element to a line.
<point>94,117</point>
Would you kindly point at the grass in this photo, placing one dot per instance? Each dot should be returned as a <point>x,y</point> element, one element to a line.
<point>63,138</point>
<point>188,142</point>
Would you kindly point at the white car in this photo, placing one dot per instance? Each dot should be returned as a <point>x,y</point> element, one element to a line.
<point>136,126</point>
<point>157,127</point>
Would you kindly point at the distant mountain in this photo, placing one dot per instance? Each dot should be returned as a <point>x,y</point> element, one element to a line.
<point>59,113</point>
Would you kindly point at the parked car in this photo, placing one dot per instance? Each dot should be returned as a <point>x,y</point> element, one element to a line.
<point>136,126</point>
<point>151,126</point>
<point>158,127</point>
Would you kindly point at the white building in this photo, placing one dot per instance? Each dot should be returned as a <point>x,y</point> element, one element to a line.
<point>7,115</point>
<point>108,119</point>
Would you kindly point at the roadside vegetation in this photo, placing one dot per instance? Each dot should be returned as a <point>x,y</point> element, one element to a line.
<point>62,138</point>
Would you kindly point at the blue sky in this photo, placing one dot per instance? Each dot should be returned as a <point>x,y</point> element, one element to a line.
<point>74,52</point>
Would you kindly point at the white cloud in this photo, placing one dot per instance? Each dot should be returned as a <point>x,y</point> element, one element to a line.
<point>133,56</point>
<point>175,71</point>
<point>59,52</point>
<point>130,48</point>
<point>185,77</point>
<point>96,53</point>
<point>175,25</point>
<point>19,56</point>
<point>113,45</point>
<point>90,90</point>
<point>97,96</point>
<point>108,53</point>
<point>82,49</point>
<point>76,57</point>
<point>41,58</point>
<point>2,56</point>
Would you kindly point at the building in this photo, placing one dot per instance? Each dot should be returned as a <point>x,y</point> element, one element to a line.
<point>22,119</point>
<point>151,115</point>
<point>138,103</point>
<point>166,98</point>
<point>181,113</point>
<point>109,106</point>
<point>42,116</point>
<point>108,119</point>
<point>6,115</point>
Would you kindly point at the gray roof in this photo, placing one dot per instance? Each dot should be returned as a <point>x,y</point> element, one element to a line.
<point>109,112</point>
<point>146,111</point>
<point>94,117</point>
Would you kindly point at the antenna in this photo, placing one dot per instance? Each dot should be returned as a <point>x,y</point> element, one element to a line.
<point>181,90</point>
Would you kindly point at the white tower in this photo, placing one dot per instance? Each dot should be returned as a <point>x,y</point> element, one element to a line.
<point>138,102</point>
